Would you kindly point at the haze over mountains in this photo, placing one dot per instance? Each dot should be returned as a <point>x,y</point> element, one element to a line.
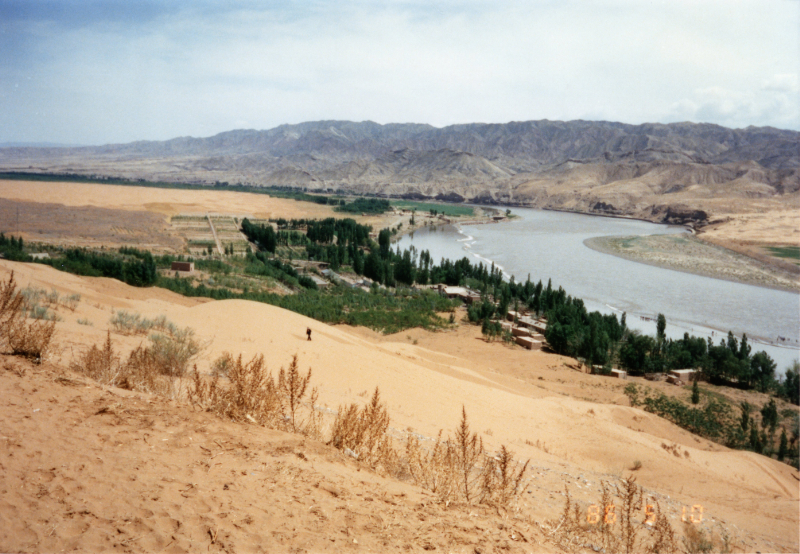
<point>651,170</point>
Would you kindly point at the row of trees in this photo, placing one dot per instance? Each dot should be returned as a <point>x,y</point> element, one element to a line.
<point>136,270</point>
<point>12,249</point>
<point>365,205</point>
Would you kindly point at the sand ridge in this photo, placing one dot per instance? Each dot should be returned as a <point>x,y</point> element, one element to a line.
<point>555,421</point>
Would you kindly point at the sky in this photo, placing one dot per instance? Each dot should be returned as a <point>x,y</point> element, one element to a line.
<point>113,71</point>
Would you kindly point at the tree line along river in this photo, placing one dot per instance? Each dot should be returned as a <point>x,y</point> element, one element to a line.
<point>550,245</point>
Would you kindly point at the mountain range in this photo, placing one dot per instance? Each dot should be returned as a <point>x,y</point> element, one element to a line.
<point>651,170</point>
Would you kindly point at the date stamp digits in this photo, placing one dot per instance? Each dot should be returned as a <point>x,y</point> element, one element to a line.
<point>609,514</point>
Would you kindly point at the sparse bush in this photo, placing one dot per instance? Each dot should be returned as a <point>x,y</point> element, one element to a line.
<point>363,431</point>
<point>126,323</point>
<point>102,365</point>
<point>696,541</point>
<point>31,340</point>
<point>637,465</point>
<point>502,478</point>
<point>292,387</point>
<point>615,527</point>
<point>222,365</point>
<point>173,352</point>
<point>53,299</point>
<point>252,394</point>
<point>84,321</point>
<point>142,371</point>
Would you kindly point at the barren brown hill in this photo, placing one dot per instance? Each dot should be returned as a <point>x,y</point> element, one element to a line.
<point>89,468</point>
<point>681,172</point>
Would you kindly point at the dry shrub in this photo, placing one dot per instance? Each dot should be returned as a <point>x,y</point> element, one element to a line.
<point>363,431</point>
<point>663,534</point>
<point>173,352</point>
<point>222,365</point>
<point>252,394</point>
<point>502,478</point>
<point>292,387</point>
<point>249,395</point>
<point>142,371</point>
<point>102,365</point>
<point>29,339</point>
<point>451,469</point>
<point>10,301</point>
<point>631,496</point>
<point>468,452</point>
<point>432,470</point>
<point>698,541</point>
<point>613,524</point>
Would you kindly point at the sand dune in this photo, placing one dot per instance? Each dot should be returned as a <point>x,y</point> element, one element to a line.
<point>584,429</point>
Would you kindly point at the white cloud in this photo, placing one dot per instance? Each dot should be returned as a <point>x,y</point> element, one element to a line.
<point>775,103</point>
<point>202,70</point>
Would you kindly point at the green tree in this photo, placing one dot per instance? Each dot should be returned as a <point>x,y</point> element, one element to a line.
<point>769,415</point>
<point>756,445</point>
<point>783,449</point>
<point>762,369</point>
<point>746,409</point>
<point>789,387</point>
<point>385,243</point>
<point>695,392</point>
<point>661,328</point>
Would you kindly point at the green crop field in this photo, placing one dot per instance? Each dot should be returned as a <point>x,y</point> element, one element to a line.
<point>790,252</point>
<point>452,210</point>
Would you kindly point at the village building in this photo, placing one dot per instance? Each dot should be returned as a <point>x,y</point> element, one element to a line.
<point>464,294</point>
<point>529,343</point>
<point>185,267</point>
<point>685,375</point>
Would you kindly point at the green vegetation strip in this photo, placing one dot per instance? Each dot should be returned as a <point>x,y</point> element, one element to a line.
<point>790,252</point>
<point>445,209</point>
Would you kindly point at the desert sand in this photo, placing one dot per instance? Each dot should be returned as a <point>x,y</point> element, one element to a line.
<point>90,468</point>
<point>163,201</point>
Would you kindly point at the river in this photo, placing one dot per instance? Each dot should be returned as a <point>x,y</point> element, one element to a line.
<point>549,245</point>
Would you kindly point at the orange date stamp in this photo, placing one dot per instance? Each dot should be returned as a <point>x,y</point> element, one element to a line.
<point>608,515</point>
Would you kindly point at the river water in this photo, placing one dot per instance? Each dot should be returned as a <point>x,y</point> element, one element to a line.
<point>549,245</point>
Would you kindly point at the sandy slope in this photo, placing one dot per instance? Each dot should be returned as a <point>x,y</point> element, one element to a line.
<point>425,386</point>
<point>164,201</point>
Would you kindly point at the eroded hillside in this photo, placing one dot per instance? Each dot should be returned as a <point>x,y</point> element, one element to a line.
<point>681,172</point>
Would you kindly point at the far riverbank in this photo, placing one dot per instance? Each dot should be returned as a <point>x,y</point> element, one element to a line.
<point>688,254</point>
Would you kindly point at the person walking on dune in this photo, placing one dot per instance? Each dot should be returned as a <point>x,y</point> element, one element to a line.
<point>308,332</point>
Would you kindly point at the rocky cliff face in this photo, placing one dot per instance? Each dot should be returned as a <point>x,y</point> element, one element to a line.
<point>589,166</point>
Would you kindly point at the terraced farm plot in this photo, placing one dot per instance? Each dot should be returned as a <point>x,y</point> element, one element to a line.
<point>214,231</point>
<point>195,229</point>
